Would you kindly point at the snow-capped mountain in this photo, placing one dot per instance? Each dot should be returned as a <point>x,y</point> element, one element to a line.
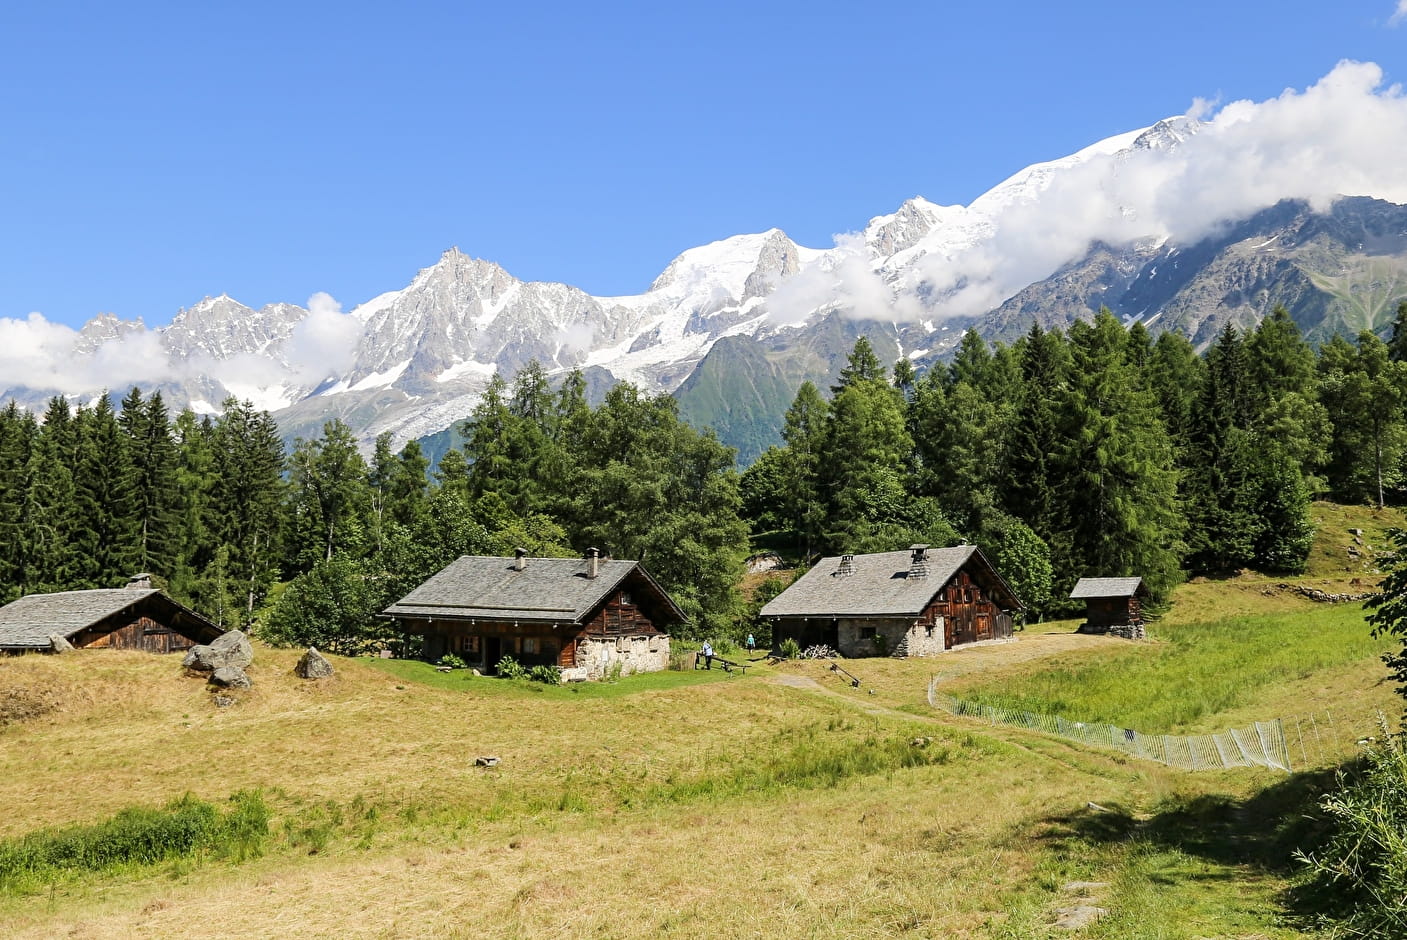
<point>414,360</point>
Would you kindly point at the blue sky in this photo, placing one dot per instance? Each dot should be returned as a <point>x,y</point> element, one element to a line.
<point>156,153</point>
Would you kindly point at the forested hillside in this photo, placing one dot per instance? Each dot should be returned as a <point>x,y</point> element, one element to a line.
<point>1094,452</point>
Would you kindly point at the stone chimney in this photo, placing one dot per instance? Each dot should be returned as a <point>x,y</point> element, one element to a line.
<point>139,582</point>
<point>520,559</point>
<point>847,566</point>
<point>918,561</point>
<point>593,563</point>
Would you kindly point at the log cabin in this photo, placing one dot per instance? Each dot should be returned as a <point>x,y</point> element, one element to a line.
<point>137,617</point>
<point>1112,605</point>
<point>589,616</point>
<point>913,603</point>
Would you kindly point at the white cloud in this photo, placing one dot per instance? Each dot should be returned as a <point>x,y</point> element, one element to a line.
<point>324,343</point>
<point>1342,136</point>
<point>848,282</point>
<point>44,356</point>
<point>1399,14</point>
<point>50,357</point>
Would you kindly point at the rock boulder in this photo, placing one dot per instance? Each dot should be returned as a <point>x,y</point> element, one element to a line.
<point>230,677</point>
<point>59,644</point>
<point>229,649</point>
<point>313,665</point>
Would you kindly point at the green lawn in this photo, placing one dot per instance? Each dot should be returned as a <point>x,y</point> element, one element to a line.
<point>464,680</point>
<point>1190,672</point>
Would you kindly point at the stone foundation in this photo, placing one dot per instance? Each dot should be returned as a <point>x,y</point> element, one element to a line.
<point>1125,631</point>
<point>598,657</point>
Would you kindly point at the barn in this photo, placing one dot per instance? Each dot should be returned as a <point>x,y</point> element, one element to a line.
<point>913,603</point>
<point>590,616</point>
<point>137,617</point>
<point>1112,605</point>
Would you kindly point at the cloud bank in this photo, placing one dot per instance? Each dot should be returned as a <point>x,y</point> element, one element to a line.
<point>46,357</point>
<point>1343,136</point>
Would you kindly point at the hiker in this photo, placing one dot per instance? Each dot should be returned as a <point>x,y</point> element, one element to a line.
<point>751,644</point>
<point>707,654</point>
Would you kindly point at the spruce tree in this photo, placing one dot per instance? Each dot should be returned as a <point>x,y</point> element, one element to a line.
<point>1027,486</point>
<point>105,535</point>
<point>1118,481</point>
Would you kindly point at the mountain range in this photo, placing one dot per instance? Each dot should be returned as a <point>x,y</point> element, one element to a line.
<point>732,328</point>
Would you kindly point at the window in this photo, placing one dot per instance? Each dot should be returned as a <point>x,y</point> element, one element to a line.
<point>867,633</point>
<point>466,644</point>
<point>625,598</point>
<point>529,645</point>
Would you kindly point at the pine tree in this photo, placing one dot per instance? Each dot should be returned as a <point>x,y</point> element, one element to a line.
<point>246,499</point>
<point>49,516</point>
<point>1117,475</point>
<point>154,484</point>
<point>18,434</point>
<point>1027,486</point>
<point>804,430</point>
<point>105,536</point>
<point>330,496</point>
<point>867,451</point>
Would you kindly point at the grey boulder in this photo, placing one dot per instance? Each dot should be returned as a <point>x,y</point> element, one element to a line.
<point>230,677</point>
<point>313,665</point>
<point>59,644</point>
<point>229,649</point>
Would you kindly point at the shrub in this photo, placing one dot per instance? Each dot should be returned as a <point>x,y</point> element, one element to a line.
<point>510,668</point>
<point>1359,875</point>
<point>549,675</point>
<point>453,661</point>
<point>137,836</point>
<point>790,649</point>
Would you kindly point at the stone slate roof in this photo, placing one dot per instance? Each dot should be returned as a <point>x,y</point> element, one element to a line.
<point>1107,587</point>
<point>880,585</point>
<point>28,622</point>
<point>548,590</point>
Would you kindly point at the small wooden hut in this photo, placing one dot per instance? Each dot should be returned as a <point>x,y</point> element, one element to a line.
<point>589,616</point>
<point>1112,605</point>
<point>137,617</point>
<point>913,603</point>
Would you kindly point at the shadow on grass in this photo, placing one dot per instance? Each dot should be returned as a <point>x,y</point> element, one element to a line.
<point>1261,833</point>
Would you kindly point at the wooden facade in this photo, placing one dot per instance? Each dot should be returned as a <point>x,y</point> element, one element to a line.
<point>134,618</point>
<point>967,613</point>
<point>141,633</point>
<point>1112,605</point>
<point>592,616</point>
<point>1105,613</point>
<point>914,603</point>
<point>483,643</point>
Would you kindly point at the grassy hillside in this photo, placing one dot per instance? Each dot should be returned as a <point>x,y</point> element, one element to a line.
<point>781,803</point>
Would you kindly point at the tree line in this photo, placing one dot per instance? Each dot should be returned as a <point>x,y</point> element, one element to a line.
<point>320,538</point>
<point>1093,451</point>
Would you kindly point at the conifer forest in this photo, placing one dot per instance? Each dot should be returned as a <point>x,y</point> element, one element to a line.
<point>1094,451</point>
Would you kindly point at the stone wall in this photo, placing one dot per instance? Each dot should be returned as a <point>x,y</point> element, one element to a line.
<point>889,637</point>
<point>597,656</point>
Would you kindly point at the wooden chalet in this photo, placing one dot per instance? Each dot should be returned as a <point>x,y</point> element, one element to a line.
<point>586,615</point>
<point>1112,605</point>
<point>137,617</point>
<point>914,603</point>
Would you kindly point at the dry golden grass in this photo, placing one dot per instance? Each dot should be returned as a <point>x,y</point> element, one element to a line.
<point>574,833</point>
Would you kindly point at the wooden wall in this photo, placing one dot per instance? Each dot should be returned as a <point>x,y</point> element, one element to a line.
<point>136,633</point>
<point>969,615</point>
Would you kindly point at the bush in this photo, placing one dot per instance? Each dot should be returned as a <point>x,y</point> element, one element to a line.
<point>453,661</point>
<point>137,836</point>
<point>1359,875</point>
<point>549,675</point>
<point>790,649</point>
<point>510,668</point>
